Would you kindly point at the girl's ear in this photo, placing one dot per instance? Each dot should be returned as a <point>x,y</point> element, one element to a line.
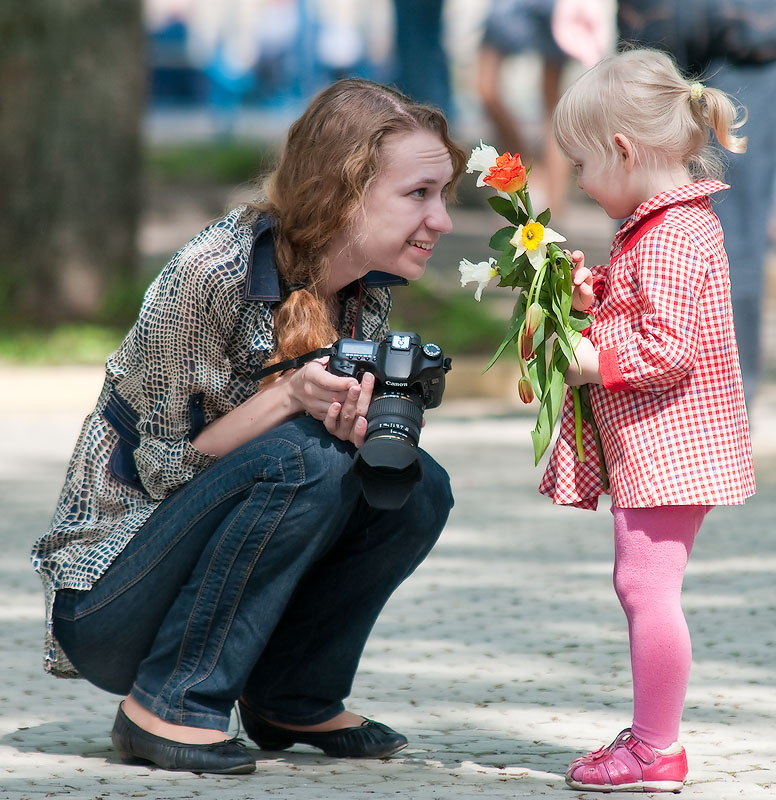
<point>626,155</point>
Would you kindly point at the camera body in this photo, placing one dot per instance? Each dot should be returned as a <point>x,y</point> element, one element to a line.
<point>399,363</point>
<point>409,378</point>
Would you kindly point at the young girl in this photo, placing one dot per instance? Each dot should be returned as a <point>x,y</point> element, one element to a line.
<point>662,366</point>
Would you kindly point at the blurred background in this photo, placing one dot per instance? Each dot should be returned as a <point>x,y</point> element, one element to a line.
<point>126,126</point>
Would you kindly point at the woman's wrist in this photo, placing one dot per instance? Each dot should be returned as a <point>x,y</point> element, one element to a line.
<point>268,408</point>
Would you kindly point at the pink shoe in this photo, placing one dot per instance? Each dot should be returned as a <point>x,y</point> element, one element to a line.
<point>588,758</point>
<point>630,764</point>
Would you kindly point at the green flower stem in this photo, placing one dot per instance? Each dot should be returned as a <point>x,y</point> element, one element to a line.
<point>520,361</point>
<point>536,282</point>
<point>578,423</point>
<point>526,199</point>
<point>600,450</point>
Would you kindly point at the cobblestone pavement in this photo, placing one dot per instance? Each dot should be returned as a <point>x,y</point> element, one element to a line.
<point>503,657</point>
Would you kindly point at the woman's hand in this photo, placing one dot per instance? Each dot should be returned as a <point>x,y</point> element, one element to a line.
<point>347,421</point>
<point>339,402</point>
<point>585,368</point>
<point>581,280</point>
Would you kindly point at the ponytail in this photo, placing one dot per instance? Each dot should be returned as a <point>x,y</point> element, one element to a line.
<point>720,114</point>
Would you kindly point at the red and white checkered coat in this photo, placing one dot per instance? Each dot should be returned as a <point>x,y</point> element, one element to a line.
<point>671,408</point>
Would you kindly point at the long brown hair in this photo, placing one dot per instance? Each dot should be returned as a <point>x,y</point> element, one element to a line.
<point>332,156</point>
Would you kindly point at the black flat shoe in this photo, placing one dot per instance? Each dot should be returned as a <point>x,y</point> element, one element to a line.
<point>135,745</point>
<point>369,740</point>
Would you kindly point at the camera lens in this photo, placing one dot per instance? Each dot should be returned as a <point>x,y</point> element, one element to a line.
<point>396,415</point>
<point>389,463</point>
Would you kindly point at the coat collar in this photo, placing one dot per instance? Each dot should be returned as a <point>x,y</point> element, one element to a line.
<point>662,201</point>
<point>263,282</point>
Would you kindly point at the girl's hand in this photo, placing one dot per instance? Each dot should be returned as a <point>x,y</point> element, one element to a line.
<point>339,402</point>
<point>582,282</point>
<point>587,369</point>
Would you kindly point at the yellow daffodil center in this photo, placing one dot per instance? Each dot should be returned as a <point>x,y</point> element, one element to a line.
<point>532,235</point>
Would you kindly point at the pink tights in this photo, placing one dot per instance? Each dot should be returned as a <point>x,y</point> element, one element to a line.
<point>651,548</point>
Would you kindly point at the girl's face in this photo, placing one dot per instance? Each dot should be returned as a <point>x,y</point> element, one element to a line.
<point>609,184</point>
<point>404,213</point>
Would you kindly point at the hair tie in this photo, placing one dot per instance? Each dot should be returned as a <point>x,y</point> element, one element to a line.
<point>696,91</point>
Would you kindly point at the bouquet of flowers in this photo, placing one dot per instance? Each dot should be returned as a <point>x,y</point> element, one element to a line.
<point>543,326</point>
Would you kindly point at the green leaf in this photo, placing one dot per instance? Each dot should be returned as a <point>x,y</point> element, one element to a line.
<point>501,237</point>
<point>567,340</point>
<point>556,255</point>
<point>506,262</point>
<point>549,409</point>
<point>504,207</point>
<point>565,344</point>
<point>579,321</point>
<point>518,316</point>
<point>544,217</point>
<point>563,291</point>
<point>537,370</point>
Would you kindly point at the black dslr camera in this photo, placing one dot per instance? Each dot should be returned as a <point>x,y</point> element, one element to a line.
<point>409,377</point>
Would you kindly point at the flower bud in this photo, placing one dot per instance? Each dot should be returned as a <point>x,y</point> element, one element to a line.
<point>533,319</point>
<point>525,390</point>
<point>527,347</point>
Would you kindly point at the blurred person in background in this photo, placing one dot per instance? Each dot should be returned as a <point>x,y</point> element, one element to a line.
<point>729,45</point>
<point>422,69</point>
<point>513,28</point>
<point>211,543</point>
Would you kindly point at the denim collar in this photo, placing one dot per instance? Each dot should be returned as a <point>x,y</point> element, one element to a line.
<point>263,282</point>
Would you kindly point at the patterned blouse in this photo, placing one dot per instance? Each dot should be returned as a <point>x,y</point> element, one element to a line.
<point>205,326</point>
<point>671,410</point>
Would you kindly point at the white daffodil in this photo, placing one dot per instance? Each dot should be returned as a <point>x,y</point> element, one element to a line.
<point>532,239</point>
<point>481,274</point>
<point>482,160</point>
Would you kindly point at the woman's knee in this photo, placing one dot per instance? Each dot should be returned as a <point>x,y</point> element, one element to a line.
<point>304,452</point>
<point>108,667</point>
<point>432,498</point>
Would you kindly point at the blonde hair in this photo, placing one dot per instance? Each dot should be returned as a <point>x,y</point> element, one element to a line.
<point>642,94</point>
<point>331,158</point>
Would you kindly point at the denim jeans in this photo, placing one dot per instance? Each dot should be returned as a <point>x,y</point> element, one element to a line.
<point>261,578</point>
<point>745,209</point>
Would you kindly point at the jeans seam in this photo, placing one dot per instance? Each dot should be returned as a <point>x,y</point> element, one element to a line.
<point>197,656</point>
<point>187,684</point>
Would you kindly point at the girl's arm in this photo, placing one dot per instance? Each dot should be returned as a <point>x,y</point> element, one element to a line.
<point>664,314</point>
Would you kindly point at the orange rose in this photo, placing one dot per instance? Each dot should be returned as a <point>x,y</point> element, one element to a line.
<point>508,174</point>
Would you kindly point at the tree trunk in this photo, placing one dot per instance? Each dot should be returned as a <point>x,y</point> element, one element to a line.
<point>72,91</point>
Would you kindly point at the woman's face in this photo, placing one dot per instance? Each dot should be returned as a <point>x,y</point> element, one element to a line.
<point>404,213</point>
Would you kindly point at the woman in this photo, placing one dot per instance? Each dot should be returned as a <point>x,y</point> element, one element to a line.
<point>210,542</point>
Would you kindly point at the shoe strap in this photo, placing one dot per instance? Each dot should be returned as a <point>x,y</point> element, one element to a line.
<point>641,750</point>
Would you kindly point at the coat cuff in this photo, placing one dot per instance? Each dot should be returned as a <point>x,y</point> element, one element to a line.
<point>611,375</point>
